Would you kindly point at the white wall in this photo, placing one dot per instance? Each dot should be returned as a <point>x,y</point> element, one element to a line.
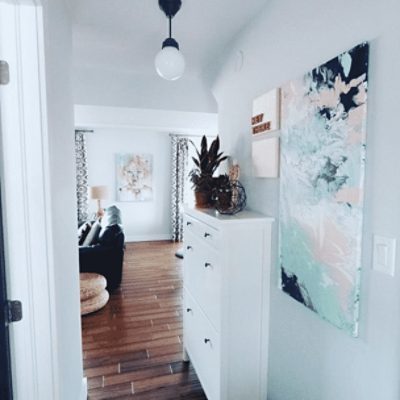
<point>102,87</point>
<point>179,122</point>
<point>147,220</point>
<point>58,52</point>
<point>309,359</point>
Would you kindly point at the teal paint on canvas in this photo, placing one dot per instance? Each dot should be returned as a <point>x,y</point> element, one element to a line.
<point>321,189</point>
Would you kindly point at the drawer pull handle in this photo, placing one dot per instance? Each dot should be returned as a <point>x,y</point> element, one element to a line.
<point>206,234</point>
<point>206,265</point>
<point>189,248</point>
<point>188,310</point>
<point>207,341</point>
<point>188,223</point>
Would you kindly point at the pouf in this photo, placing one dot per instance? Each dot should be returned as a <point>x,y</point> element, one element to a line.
<point>92,292</point>
<point>95,303</point>
<point>91,284</point>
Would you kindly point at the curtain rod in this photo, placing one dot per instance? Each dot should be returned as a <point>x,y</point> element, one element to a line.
<point>184,135</point>
<point>84,130</point>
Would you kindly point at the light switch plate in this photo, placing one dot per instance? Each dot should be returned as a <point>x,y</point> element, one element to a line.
<point>384,253</point>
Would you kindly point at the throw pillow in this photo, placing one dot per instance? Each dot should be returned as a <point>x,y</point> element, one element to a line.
<point>83,232</point>
<point>93,235</point>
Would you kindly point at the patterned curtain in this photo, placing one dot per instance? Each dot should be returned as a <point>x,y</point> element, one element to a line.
<point>81,176</point>
<point>179,158</point>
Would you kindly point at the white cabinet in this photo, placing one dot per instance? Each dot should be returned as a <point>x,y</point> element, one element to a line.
<point>226,302</point>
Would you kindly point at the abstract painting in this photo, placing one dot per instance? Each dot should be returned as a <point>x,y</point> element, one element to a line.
<point>321,190</point>
<point>134,177</point>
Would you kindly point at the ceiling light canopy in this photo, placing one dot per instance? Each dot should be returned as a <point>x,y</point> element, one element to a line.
<point>169,62</point>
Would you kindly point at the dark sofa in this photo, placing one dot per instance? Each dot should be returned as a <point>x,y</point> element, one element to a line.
<point>105,254</point>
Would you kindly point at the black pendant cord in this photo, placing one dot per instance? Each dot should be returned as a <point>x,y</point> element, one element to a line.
<point>170,42</point>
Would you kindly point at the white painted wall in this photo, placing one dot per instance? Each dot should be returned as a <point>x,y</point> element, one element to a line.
<point>179,122</point>
<point>119,88</point>
<point>309,359</point>
<point>148,220</point>
<point>58,52</point>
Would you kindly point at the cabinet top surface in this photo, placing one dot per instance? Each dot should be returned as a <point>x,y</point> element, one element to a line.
<point>242,216</point>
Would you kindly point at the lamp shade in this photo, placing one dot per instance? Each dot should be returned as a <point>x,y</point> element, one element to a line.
<point>98,192</point>
<point>170,63</point>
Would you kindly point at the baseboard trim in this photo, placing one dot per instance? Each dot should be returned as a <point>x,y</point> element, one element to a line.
<point>147,238</point>
<point>84,389</point>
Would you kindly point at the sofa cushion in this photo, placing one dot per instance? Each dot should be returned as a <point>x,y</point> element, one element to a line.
<point>93,235</point>
<point>83,231</point>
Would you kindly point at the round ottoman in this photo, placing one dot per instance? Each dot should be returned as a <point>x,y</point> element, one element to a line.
<point>93,292</point>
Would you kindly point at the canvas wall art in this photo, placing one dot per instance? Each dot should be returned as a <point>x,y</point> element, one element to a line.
<point>134,177</point>
<point>266,112</point>
<point>321,190</point>
<point>265,157</point>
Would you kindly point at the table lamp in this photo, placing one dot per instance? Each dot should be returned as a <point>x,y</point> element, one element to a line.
<point>98,193</point>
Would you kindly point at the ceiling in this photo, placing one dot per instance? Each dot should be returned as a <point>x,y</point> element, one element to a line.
<point>126,34</point>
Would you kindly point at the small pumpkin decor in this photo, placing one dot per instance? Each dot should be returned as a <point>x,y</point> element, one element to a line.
<point>206,163</point>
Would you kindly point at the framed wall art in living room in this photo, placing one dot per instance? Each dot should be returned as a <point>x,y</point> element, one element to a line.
<point>134,177</point>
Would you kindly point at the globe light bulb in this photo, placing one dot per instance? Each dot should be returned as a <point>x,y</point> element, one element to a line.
<point>170,63</point>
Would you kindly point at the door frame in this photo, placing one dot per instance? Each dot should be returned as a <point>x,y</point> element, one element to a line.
<point>25,184</point>
<point>5,358</point>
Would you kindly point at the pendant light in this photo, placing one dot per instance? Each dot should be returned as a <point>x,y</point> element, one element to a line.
<point>169,62</point>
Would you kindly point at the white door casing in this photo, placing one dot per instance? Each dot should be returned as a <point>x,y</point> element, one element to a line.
<point>26,197</point>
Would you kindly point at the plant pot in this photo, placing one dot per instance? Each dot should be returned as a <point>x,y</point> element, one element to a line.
<point>203,199</point>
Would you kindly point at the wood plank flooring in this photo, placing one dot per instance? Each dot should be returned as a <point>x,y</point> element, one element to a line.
<point>132,348</point>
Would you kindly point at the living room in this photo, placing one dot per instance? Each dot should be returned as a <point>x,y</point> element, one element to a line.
<point>308,358</point>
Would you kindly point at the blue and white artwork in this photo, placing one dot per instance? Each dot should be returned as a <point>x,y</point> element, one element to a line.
<point>321,188</point>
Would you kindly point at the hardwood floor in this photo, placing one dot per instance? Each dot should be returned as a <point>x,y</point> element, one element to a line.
<point>132,348</point>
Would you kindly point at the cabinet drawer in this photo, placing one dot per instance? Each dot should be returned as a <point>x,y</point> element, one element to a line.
<point>202,277</point>
<point>203,231</point>
<point>202,343</point>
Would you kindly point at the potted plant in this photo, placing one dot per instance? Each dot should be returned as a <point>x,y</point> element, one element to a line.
<point>206,163</point>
